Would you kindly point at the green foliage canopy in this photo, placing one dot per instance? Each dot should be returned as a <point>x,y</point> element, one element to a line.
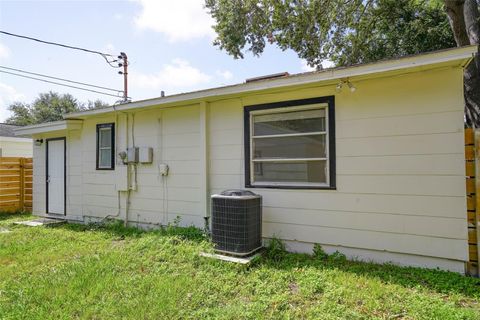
<point>50,106</point>
<point>343,31</point>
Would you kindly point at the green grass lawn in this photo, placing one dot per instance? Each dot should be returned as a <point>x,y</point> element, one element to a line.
<point>92,272</point>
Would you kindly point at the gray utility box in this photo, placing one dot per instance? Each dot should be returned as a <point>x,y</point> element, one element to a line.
<point>237,222</point>
<point>145,155</point>
<point>132,155</point>
<point>140,154</point>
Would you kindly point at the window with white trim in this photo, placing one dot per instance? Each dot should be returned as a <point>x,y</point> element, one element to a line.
<point>105,146</point>
<point>291,144</point>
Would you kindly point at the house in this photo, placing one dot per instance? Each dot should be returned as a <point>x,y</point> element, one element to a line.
<point>13,146</point>
<point>367,160</point>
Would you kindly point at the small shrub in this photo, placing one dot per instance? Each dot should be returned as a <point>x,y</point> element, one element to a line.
<point>275,249</point>
<point>176,222</point>
<point>337,257</point>
<point>318,252</point>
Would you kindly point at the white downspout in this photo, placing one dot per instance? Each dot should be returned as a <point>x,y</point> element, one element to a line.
<point>131,169</point>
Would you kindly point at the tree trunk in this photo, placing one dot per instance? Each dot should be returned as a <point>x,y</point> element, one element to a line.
<point>456,18</point>
<point>464,20</point>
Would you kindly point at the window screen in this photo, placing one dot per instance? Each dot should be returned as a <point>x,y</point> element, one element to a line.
<point>105,146</point>
<point>290,146</point>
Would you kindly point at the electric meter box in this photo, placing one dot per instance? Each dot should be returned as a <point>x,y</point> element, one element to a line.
<point>145,155</point>
<point>132,155</point>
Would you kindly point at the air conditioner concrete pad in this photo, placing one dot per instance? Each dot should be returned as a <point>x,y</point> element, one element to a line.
<point>241,260</point>
<point>40,222</point>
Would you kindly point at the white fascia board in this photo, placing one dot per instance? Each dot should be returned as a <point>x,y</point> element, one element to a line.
<point>456,57</point>
<point>62,125</point>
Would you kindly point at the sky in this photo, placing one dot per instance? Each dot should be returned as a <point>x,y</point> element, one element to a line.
<point>168,43</point>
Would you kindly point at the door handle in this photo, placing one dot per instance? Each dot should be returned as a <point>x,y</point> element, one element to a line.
<point>48,179</point>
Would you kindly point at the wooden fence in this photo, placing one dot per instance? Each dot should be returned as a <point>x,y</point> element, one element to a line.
<point>16,184</point>
<point>472,173</point>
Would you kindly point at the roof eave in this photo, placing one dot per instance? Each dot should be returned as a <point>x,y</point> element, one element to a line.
<point>63,125</point>
<point>461,55</point>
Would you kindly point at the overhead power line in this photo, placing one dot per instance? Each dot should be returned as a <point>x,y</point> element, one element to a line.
<point>114,62</point>
<point>103,55</point>
<point>61,79</point>
<point>61,84</point>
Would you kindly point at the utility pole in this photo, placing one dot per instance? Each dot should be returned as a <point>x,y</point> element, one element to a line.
<point>124,64</point>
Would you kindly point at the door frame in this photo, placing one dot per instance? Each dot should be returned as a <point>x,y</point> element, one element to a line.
<point>64,174</point>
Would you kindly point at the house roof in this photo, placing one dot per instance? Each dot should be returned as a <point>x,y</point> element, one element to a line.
<point>456,57</point>
<point>447,57</point>
<point>6,130</point>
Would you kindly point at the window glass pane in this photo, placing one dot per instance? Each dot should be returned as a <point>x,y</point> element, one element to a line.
<point>105,137</point>
<point>105,158</point>
<point>289,122</point>
<point>303,171</point>
<point>290,147</point>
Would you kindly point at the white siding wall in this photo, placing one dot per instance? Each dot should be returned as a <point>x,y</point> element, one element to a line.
<point>174,135</point>
<point>400,170</point>
<point>16,147</point>
<point>74,193</point>
<point>39,188</point>
<point>99,197</point>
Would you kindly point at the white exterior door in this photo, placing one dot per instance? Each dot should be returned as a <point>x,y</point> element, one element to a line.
<point>56,176</point>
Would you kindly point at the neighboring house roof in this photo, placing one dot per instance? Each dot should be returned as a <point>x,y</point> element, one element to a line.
<point>6,130</point>
<point>454,57</point>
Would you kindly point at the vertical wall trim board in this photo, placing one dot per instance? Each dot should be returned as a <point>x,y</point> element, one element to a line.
<point>204,159</point>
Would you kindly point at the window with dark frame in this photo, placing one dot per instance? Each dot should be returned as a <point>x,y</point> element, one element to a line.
<point>105,146</point>
<point>291,144</point>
